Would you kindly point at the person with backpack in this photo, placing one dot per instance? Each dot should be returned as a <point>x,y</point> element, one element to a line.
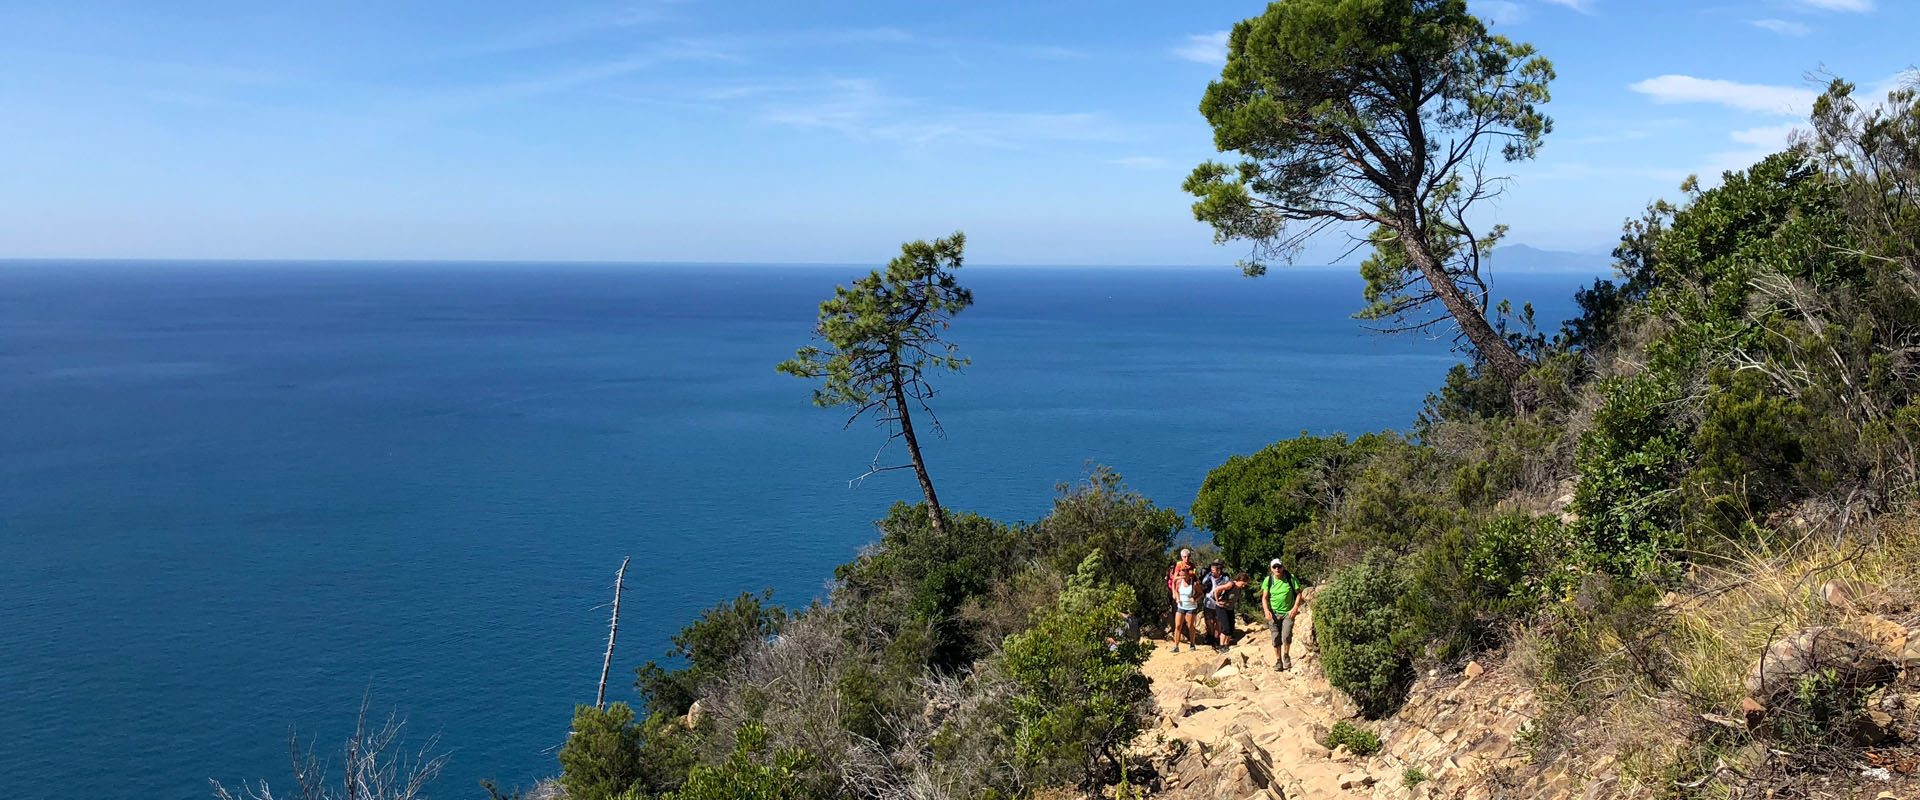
<point>1215,575</point>
<point>1280,597</point>
<point>1225,595</point>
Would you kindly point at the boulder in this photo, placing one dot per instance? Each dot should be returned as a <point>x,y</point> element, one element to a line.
<point>694,714</point>
<point>1842,594</point>
<point>1474,670</point>
<point>1356,780</point>
<point>1225,672</point>
<point>1855,663</point>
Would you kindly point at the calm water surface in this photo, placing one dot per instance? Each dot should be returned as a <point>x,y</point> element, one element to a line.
<point>236,498</point>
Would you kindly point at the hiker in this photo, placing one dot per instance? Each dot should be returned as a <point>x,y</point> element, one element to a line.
<point>1225,595</point>
<point>1216,575</point>
<point>1173,573</point>
<point>1186,606</point>
<point>1280,595</point>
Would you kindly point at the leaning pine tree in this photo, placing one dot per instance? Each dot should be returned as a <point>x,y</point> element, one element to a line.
<point>1380,115</point>
<point>880,337</point>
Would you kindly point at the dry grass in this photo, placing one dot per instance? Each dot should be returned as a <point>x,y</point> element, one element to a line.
<point>1647,709</point>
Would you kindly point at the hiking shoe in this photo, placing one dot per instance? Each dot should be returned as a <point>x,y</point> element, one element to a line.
<point>1277,667</point>
<point>1176,648</point>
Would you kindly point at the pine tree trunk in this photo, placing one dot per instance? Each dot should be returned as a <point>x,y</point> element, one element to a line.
<point>1499,355</point>
<point>913,450</point>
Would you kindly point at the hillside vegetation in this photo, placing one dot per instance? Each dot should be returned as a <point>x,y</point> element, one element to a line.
<point>1729,428</point>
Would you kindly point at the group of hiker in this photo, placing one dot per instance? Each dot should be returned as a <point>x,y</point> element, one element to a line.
<point>1204,605</point>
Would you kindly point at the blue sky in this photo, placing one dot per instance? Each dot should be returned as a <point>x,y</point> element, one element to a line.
<point>777,131</point>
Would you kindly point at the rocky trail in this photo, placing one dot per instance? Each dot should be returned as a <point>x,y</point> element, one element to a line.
<point>1232,728</point>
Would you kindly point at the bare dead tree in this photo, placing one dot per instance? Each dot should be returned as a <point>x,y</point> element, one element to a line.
<point>375,765</point>
<point>613,633</point>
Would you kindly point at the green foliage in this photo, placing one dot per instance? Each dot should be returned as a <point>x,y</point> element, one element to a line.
<point>601,759</point>
<point>1079,699</point>
<point>1466,586</point>
<point>1355,622</point>
<point>708,645</point>
<point>1132,534</point>
<point>751,773</point>
<point>1357,740</point>
<point>1381,114</point>
<point>924,577</point>
<point>886,329</point>
<point>1252,504</point>
<point>882,336</point>
<point>1412,776</point>
<point>1310,80</point>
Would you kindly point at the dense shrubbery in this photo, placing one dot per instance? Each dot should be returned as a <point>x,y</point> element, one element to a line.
<point>982,660</point>
<point>1356,623</point>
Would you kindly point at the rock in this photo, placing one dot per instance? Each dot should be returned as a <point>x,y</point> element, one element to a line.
<point>1892,702</point>
<point>1474,670</point>
<point>1876,727</point>
<point>1341,754</point>
<point>1314,749</point>
<point>1841,593</point>
<point>1753,712</point>
<point>1910,655</point>
<point>1225,672</point>
<point>1205,667</point>
<point>1356,780</point>
<point>694,714</point>
<point>1853,660</point>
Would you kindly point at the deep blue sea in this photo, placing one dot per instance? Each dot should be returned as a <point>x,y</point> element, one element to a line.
<point>236,498</point>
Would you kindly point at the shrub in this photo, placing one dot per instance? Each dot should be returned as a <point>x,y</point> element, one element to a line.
<point>1078,696</point>
<point>601,759</point>
<point>1253,504</point>
<point>1130,532</point>
<point>1413,776</point>
<point>747,775</point>
<point>1357,740</point>
<point>708,644</point>
<point>1354,623</point>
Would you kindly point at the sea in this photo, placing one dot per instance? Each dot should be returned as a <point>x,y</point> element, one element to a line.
<point>242,500</point>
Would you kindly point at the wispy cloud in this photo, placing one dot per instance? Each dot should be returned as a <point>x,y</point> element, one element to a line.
<point>1204,48</point>
<point>1141,162</point>
<point>1501,12</point>
<point>1849,6</point>
<point>860,109</point>
<point>1582,6</point>
<point>1782,27</point>
<point>1762,98</point>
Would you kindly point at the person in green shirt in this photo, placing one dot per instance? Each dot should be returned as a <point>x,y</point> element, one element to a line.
<point>1280,595</point>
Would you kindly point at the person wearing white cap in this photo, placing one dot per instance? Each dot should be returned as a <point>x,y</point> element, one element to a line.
<point>1280,597</point>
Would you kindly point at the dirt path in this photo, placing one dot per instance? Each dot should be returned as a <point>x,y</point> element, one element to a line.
<point>1232,727</point>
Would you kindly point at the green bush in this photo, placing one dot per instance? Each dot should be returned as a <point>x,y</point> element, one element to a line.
<point>1467,586</point>
<point>1412,776</point>
<point>708,644</point>
<point>1357,740</point>
<point>751,773</point>
<point>1079,698</point>
<point>1129,531</point>
<point>601,758</point>
<point>1254,504</point>
<point>1355,621</point>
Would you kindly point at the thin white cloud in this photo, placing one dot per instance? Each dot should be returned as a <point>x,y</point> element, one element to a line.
<point>1762,98</point>
<point>859,109</point>
<point>1849,6</point>
<point>1141,162</point>
<point>1501,12</point>
<point>1204,48</point>
<point>1782,27</point>
<point>1582,6</point>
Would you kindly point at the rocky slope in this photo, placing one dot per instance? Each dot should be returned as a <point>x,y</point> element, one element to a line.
<point>1233,728</point>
